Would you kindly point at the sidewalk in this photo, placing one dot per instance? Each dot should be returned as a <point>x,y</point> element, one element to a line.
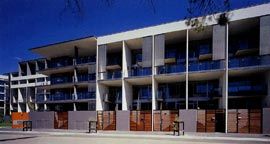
<point>136,134</point>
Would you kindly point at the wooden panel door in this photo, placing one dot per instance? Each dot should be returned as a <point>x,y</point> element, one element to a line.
<point>141,121</point>
<point>201,121</point>
<point>61,120</point>
<point>255,121</point>
<point>243,121</point>
<point>133,120</point>
<point>167,120</point>
<point>147,120</point>
<point>232,121</point>
<point>106,120</point>
<point>210,120</point>
<point>157,121</point>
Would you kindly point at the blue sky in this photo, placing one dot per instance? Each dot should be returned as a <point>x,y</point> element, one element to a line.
<point>25,24</point>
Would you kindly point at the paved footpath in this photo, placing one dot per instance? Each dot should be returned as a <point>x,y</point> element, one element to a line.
<point>49,136</point>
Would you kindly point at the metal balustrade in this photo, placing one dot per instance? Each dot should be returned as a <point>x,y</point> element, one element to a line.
<point>88,59</point>
<point>140,71</point>
<point>86,77</point>
<point>114,75</point>
<point>86,95</point>
<point>205,65</point>
<point>61,79</point>
<point>59,97</point>
<point>171,68</point>
<point>240,88</point>
<point>60,63</point>
<point>249,61</point>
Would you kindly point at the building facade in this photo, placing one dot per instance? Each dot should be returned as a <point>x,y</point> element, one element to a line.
<point>147,73</point>
<point>23,85</point>
<point>4,95</point>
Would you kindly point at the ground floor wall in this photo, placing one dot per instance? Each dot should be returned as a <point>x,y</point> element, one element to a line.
<point>238,120</point>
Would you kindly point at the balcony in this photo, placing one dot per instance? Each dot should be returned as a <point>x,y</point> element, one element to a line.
<point>86,95</point>
<point>86,60</point>
<point>249,61</point>
<point>140,71</point>
<point>86,77</point>
<point>246,88</point>
<point>61,80</point>
<point>59,97</point>
<point>166,69</point>
<point>60,63</point>
<point>205,52</point>
<point>205,65</point>
<point>114,75</point>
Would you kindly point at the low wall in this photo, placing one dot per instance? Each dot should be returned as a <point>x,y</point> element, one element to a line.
<point>122,120</point>
<point>79,119</point>
<point>189,117</point>
<point>42,120</point>
<point>266,121</point>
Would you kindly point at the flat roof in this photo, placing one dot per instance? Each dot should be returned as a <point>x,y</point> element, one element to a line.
<point>86,46</point>
<point>234,15</point>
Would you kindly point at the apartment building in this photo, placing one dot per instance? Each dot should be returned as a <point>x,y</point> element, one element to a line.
<point>71,70</point>
<point>4,95</point>
<point>23,85</point>
<point>217,80</point>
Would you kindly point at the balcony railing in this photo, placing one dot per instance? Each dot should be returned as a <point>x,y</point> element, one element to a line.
<point>171,69</point>
<point>86,95</point>
<point>114,75</point>
<point>89,59</point>
<point>86,77</point>
<point>60,63</point>
<point>59,97</point>
<point>61,80</point>
<point>249,61</point>
<point>246,88</point>
<point>140,71</point>
<point>206,65</point>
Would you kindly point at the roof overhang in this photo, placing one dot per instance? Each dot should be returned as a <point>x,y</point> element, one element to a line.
<point>86,46</point>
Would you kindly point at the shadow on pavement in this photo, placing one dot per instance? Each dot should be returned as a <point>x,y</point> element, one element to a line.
<point>11,139</point>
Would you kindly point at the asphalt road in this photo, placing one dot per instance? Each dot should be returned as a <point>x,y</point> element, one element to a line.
<point>54,139</point>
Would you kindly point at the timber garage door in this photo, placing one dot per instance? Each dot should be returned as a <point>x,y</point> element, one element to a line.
<point>106,120</point>
<point>163,120</point>
<point>140,120</point>
<point>211,120</point>
<point>245,120</point>
<point>61,120</point>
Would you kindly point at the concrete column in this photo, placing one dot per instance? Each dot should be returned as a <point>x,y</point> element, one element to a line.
<point>101,90</point>
<point>219,42</point>
<point>74,107</point>
<point>126,95</point>
<point>265,35</point>
<point>126,59</point>
<point>102,61</point>
<point>28,71</point>
<point>187,47</point>
<point>266,119</point>
<point>154,94</point>
<point>266,100</point>
<point>226,77</point>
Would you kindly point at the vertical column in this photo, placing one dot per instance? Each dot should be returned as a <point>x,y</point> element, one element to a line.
<point>126,87</point>
<point>126,96</point>
<point>219,42</point>
<point>28,71</point>
<point>266,100</point>
<point>147,51</point>
<point>159,51</point>
<point>226,77</point>
<point>187,42</point>
<point>101,91</point>
<point>265,35</point>
<point>102,61</point>
<point>152,58</point>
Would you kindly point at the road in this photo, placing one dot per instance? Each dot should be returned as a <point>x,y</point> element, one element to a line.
<point>67,139</point>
